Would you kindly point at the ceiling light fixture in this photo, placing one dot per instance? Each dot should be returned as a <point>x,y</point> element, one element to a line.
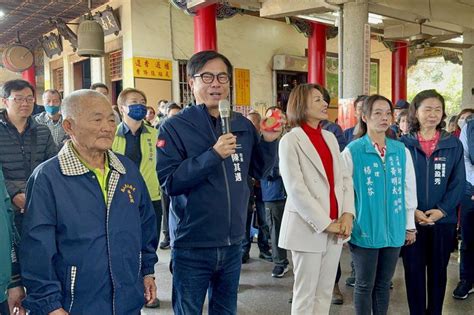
<point>375,18</point>
<point>319,19</point>
<point>459,39</point>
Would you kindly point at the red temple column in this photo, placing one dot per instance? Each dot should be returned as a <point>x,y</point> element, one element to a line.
<point>317,54</point>
<point>399,71</point>
<point>205,32</point>
<point>30,75</point>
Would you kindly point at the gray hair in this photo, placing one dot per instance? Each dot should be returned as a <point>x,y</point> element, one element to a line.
<point>75,102</point>
<point>52,91</point>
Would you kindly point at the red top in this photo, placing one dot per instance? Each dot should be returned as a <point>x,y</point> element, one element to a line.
<point>316,138</point>
<point>428,146</point>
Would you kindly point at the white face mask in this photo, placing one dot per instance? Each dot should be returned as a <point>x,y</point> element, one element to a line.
<point>461,122</point>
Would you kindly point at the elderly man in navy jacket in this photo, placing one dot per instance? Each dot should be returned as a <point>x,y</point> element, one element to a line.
<point>205,174</point>
<point>89,242</point>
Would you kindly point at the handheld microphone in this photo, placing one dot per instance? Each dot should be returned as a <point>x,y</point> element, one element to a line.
<point>224,111</point>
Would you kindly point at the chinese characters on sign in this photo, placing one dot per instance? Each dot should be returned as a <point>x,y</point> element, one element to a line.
<point>51,45</point>
<point>152,68</point>
<point>396,180</point>
<point>108,20</point>
<point>394,172</point>
<point>366,56</point>
<point>242,87</point>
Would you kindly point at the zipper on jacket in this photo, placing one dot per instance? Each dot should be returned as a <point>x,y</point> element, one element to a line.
<point>427,179</point>
<point>107,217</point>
<point>228,201</point>
<point>73,285</point>
<point>108,241</point>
<point>229,210</point>
<point>139,263</point>
<point>385,196</point>
<point>110,262</point>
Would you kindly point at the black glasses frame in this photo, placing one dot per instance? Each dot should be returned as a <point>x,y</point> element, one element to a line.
<point>208,77</point>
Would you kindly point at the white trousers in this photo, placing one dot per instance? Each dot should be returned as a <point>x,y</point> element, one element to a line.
<point>315,274</point>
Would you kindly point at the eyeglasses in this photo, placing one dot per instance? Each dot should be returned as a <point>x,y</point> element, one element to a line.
<point>20,99</point>
<point>208,77</point>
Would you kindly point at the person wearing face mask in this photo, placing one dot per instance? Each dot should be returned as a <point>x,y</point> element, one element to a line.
<point>137,141</point>
<point>51,117</point>
<point>461,120</point>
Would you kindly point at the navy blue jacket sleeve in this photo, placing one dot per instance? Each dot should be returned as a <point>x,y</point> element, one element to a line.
<point>38,247</point>
<point>456,184</point>
<point>177,172</point>
<point>341,139</point>
<point>264,155</point>
<point>337,131</point>
<point>274,173</point>
<point>149,232</point>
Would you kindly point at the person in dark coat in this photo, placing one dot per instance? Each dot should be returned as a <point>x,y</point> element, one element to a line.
<point>24,143</point>
<point>89,237</point>
<point>440,181</point>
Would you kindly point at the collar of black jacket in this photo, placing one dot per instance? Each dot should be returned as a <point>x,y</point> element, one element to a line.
<point>446,140</point>
<point>30,122</point>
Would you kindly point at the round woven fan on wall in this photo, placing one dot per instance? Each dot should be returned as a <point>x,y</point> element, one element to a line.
<point>17,57</point>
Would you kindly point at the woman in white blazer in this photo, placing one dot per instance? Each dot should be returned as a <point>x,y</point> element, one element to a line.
<point>319,210</point>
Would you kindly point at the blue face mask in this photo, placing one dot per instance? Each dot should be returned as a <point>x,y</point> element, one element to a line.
<point>137,111</point>
<point>52,110</point>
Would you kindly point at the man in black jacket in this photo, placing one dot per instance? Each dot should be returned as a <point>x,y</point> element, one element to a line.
<point>23,143</point>
<point>205,174</point>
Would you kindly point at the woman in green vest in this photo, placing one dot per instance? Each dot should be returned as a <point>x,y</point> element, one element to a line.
<point>385,201</point>
<point>137,141</point>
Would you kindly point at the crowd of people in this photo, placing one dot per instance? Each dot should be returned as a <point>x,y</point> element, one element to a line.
<point>88,188</point>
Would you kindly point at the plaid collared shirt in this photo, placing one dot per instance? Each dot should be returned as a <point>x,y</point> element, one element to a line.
<point>71,165</point>
<point>56,128</point>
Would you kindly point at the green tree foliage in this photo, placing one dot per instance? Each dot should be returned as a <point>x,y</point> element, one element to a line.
<point>436,73</point>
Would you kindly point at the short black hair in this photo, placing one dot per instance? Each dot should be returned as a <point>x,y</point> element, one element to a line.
<point>53,91</point>
<point>172,105</point>
<point>15,85</point>
<point>95,86</point>
<point>198,60</point>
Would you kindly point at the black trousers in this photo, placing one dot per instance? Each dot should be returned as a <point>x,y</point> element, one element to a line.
<point>165,205</point>
<point>158,214</point>
<point>339,273</point>
<point>466,267</point>
<point>425,263</point>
